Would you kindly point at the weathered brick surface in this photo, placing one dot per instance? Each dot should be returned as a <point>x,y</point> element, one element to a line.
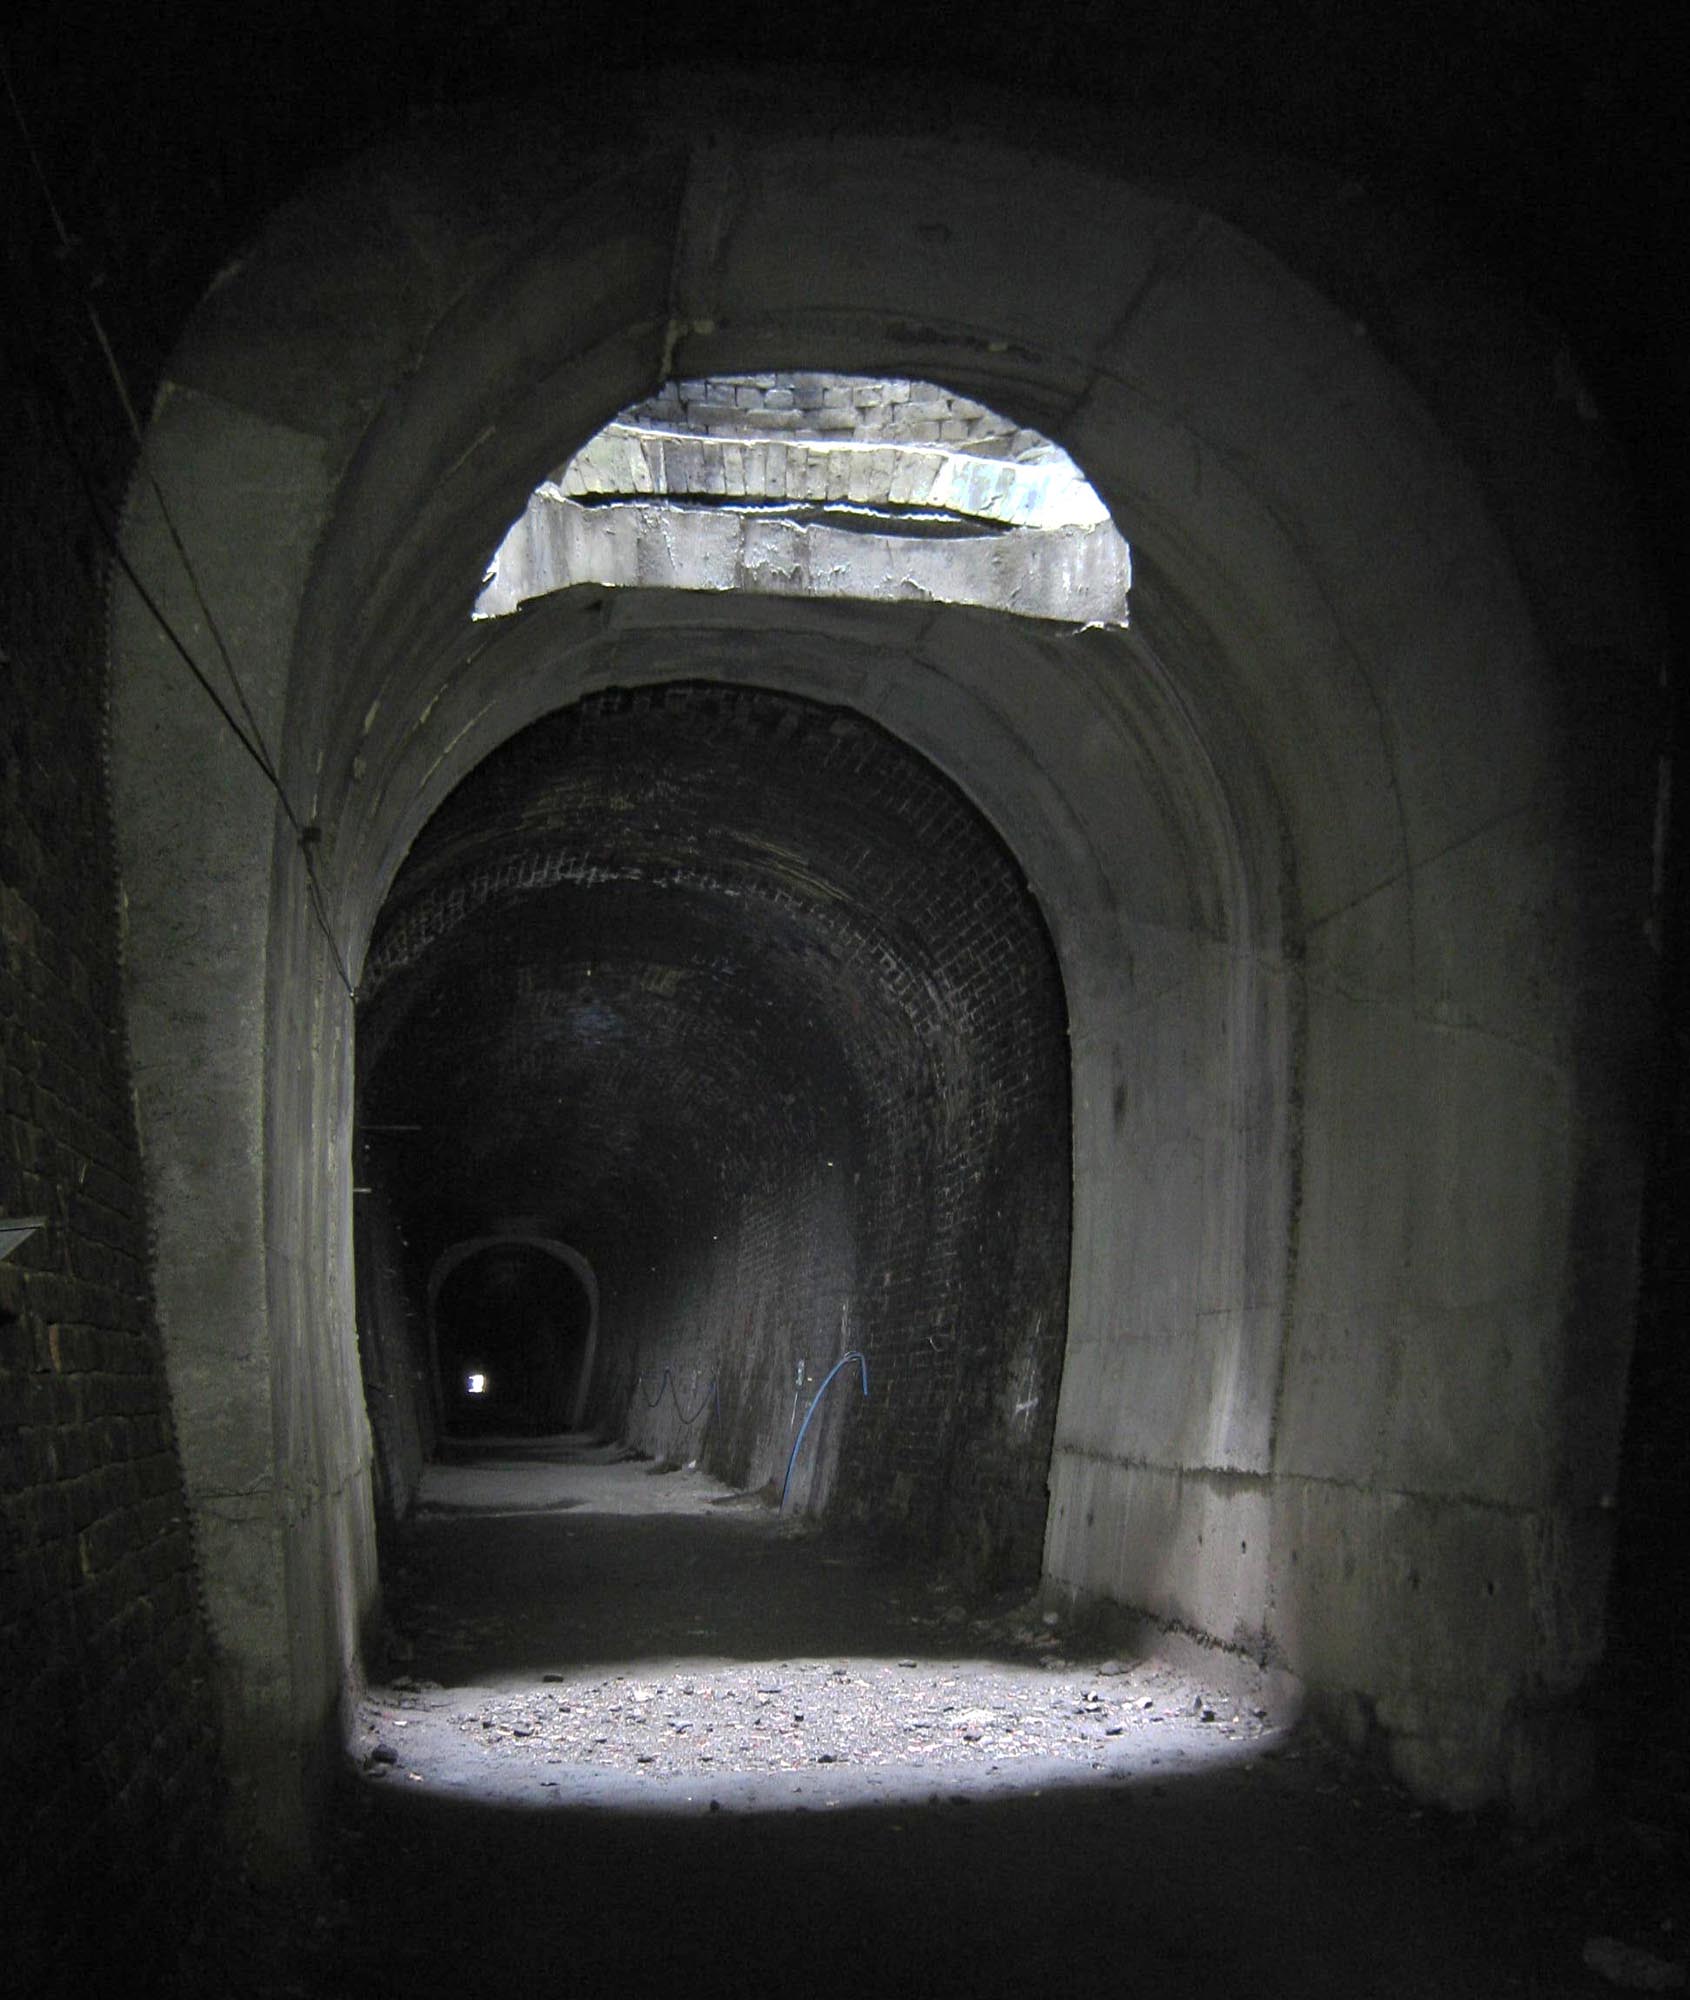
<point>768,1014</point>
<point>108,1781</point>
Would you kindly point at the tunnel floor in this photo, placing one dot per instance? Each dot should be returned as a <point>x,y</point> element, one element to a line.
<point>669,1631</point>
<point>637,1728</point>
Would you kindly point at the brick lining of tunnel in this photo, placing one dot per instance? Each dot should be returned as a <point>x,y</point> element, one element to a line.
<point>517,1318</point>
<point>808,1035</point>
<point>108,1740</point>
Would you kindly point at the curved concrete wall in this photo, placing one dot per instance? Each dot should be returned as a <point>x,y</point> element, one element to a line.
<point>1351,939</point>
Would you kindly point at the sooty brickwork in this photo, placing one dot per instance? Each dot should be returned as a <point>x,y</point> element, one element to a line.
<point>742,998</point>
<point>108,1783</point>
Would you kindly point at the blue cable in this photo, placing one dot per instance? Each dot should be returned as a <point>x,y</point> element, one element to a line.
<point>862,1359</point>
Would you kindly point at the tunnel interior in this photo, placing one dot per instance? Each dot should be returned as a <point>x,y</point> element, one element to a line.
<point>1367,1065</point>
<point>510,1341</point>
<point>700,1001</point>
<point>740,998</point>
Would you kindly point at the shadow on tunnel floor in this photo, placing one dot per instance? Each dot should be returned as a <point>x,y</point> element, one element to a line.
<point>1218,1883</point>
<point>656,1562</point>
<point>1273,1866</point>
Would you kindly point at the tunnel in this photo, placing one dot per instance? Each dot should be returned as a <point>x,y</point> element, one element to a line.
<point>473,404</point>
<point>741,1000</point>
<point>1196,1058</point>
<point>510,1340</point>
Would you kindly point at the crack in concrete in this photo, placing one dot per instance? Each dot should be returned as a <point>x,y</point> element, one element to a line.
<point>1406,872</point>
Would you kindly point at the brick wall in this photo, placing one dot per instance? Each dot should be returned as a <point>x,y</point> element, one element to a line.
<point>108,1778</point>
<point>770,1005</point>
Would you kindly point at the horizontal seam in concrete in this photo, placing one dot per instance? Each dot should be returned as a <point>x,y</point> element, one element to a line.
<point>1479,1032</point>
<point>1268,1480</point>
<point>299,1501</point>
<point>171,387</point>
<point>262,1513</point>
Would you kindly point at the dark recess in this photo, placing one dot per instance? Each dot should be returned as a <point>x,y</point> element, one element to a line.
<point>739,998</point>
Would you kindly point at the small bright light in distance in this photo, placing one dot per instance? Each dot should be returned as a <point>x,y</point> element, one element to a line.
<point>476,1384</point>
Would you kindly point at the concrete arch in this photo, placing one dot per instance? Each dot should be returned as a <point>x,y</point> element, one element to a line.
<point>563,1253</point>
<point>1355,1060</point>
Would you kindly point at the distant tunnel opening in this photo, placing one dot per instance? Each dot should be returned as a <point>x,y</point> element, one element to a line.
<point>511,1327</point>
<point>740,996</point>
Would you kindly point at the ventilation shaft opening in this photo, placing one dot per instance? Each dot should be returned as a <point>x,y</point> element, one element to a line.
<point>803,485</point>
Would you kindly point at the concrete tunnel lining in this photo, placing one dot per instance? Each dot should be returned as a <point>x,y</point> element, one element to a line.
<point>1275,832</point>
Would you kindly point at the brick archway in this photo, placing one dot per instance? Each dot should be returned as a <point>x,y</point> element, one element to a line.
<point>566,1254</point>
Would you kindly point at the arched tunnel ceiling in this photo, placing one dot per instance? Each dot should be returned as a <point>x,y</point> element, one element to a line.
<point>1371,631</point>
<point>661,947</point>
<point>602,1066</point>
